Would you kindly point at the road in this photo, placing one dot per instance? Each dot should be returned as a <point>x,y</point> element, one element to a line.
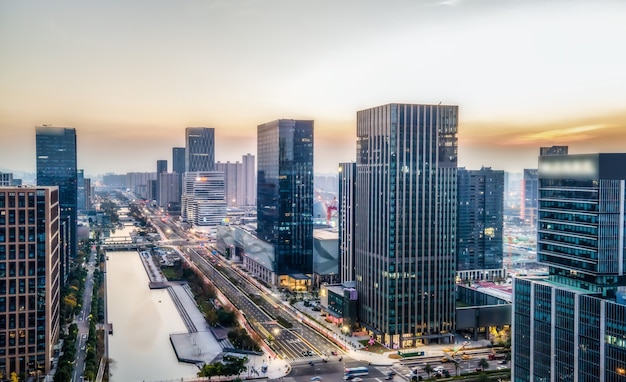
<point>82,321</point>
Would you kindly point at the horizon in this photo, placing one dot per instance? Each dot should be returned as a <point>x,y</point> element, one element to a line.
<point>131,77</point>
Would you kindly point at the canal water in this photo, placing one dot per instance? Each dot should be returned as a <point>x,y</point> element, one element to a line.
<point>142,320</point>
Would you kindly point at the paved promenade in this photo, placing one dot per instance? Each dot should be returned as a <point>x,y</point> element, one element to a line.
<point>199,345</point>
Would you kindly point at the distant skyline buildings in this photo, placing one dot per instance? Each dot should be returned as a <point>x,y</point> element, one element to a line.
<point>285,195</point>
<point>56,166</point>
<point>405,222</point>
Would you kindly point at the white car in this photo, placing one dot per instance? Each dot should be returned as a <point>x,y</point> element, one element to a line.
<point>439,368</point>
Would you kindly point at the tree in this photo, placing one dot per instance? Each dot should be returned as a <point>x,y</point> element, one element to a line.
<point>483,364</point>
<point>428,369</point>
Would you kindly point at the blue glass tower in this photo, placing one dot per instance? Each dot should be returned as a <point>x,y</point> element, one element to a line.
<point>56,166</point>
<point>285,193</point>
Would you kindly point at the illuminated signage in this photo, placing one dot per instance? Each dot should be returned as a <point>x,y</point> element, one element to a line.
<point>569,168</point>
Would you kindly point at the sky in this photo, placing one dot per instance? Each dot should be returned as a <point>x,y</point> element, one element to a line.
<point>130,76</point>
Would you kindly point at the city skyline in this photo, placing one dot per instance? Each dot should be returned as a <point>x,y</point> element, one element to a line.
<point>524,75</point>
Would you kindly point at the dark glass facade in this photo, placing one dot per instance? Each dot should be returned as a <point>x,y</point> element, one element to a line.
<point>405,222</point>
<point>285,193</point>
<point>479,219</point>
<point>570,325</point>
<point>56,166</point>
<point>200,150</point>
<point>347,181</point>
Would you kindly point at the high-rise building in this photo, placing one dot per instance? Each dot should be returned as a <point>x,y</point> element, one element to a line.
<point>405,222</point>
<point>141,183</point>
<point>200,150</point>
<point>530,186</point>
<point>232,175</point>
<point>480,196</point>
<point>80,190</point>
<point>345,209</point>
<point>88,193</point>
<point>178,160</point>
<point>528,206</point>
<point>178,164</point>
<point>203,202</point>
<point>30,282</point>
<point>168,191</point>
<point>285,195</point>
<point>570,325</point>
<point>248,181</point>
<point>161,166</point>
<point>6,179</point>
<point>56,166</point>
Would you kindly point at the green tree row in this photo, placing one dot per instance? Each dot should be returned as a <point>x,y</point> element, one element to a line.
<point>233,366</point>
<point>66,365</point>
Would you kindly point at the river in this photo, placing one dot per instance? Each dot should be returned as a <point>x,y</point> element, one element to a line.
<point>142,321</point>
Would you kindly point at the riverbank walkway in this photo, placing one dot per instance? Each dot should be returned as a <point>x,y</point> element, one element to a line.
<point>198,345</point>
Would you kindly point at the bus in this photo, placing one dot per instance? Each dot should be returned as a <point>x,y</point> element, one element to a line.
<point>352,372</point>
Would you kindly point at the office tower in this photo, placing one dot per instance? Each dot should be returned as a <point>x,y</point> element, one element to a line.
<point>248,189</point>
<point>405,222</point>
<point>178,165</point>
<point>570,325</point>
<point>200,150</point>
<point>30,280</point>
<point>161,166</point>
<point>6,179</point>
<point>232,173</point>
<point>169,193</point>
<point>285,194</point>
<point>88,193</point>
<point>56,166</point>
<point>203,198</point>
<point>347,179</point>
<point>480,196</point>
<point>80,190</point>
<point>178,160</point>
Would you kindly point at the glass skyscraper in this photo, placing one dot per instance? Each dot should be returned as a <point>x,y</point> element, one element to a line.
<point>571,325</point>
<point>56,166</point>
<point>285,193</point>
<point>200,150</point>
<point>405,222</point>
<point>479,219</point>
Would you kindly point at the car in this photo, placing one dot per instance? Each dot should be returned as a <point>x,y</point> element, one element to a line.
<point>333,352</point>
<point>466,356</point>
<point>357,379</point>
<point>503,362</point>
<point>316,378</point>
<point>439,368</point>
<point>309,353</point>
<point>502,368</point>
<point>304,354</point>
<point>444,360</point>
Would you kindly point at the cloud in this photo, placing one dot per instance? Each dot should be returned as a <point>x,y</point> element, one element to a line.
<point>564,135</point>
